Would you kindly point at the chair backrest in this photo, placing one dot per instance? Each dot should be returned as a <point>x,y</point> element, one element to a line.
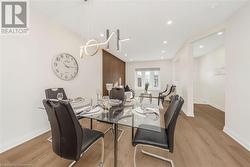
<point>171,90</point>
<point>117,93</point>
<point>67,134</point>
<point>166,88</point>
<point>170,118</point>
<point>126,88</point>
<point>52,93</point>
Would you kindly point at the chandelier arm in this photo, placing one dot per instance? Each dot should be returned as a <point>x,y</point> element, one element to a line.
<point>98,44</point>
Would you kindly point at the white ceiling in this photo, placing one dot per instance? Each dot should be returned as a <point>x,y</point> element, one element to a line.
<point>208,44</point>
<point>143,21</point>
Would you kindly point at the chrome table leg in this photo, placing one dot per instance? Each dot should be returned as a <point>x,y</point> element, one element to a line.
<point>115,144</point>
<point>91,123</point>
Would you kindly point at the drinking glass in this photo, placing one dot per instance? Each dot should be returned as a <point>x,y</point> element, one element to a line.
<point>105,101</point>
<point>98,94</point>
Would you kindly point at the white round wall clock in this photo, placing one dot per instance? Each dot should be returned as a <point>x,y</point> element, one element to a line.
<point>65,66</point>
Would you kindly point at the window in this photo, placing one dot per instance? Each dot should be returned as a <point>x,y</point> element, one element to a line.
<point>147,75</point>
<point>139,82</point>
<point>156,81</point>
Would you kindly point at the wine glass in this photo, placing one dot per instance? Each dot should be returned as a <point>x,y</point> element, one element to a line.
<point>109,87</point>
<point>59,96</point>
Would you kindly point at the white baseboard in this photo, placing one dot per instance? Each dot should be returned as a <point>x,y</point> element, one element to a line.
<point>187,114</point>
<point>215,106</point>
<point>17,141</point>
<point>218,107</point>
<point>237,138</point>
<point>200,101</point>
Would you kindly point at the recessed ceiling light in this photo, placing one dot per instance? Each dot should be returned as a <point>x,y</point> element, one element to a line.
<point>169,22</point>
<point>125,54</point>
<point>101,35</point>
<point>220,33</point>
<point>131,59</point>
<point>201,46</point>
<point>163,51</point>
<point>165,42</point>
<point>214,5</point>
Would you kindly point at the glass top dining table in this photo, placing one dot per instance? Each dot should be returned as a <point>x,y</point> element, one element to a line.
<point>135,113</point>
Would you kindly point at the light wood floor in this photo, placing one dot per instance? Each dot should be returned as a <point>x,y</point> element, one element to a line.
<point>199,142</point>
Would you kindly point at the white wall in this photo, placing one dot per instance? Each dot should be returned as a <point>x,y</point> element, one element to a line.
<point>183,77</point>
<point>209,85</point>
<point>165,73</point>
<point>27,73</point>
<point>237,123</point>
<point>1,80</point>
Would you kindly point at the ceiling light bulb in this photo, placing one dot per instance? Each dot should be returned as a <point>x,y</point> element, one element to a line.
<point>101,35</point>
<point>125,54</point>
<point>220,33</point>
<point>163,51</point>
<point>169,22</point>
<point>165,42</point>
<point>214,5</point>
<point>201,46</point>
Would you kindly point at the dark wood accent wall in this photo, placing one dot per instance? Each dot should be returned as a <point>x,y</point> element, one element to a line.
<point>113,68</point>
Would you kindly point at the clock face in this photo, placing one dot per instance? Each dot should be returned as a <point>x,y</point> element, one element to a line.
<point>65,66</point>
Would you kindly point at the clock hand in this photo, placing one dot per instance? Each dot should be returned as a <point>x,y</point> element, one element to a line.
<point>65,65</point>
<point>68,66</point>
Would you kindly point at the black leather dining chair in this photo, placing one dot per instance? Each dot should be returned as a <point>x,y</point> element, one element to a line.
<point>70,139</point>
<point>51,93</point>
<point>163,139</point>
<point>162,95</point>
<point>119,94</point>
<point>171,93</point>
<point>127,89</point>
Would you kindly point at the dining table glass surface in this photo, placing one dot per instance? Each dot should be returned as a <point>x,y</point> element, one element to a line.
<point>133,113</point>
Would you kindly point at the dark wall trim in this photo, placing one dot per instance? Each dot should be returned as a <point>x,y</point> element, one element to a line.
<point>113,68</point>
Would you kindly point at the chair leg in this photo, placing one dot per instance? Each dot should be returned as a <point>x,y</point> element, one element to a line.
<point>158,157</point>
<point>72,164</point>
<point>112,128</point>
<point>101,164</point>
<point>108,130</point>
<point>135,150</point>
<point>162,101</point>
<point>50,139</point>
<point>122,131</point>
<point>102,158</point>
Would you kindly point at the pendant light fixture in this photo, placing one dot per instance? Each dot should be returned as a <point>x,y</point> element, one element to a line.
<point>92,46</point>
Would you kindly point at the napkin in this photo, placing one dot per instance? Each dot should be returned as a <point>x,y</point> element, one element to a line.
<point>91,112</point>
<point>82,109</point>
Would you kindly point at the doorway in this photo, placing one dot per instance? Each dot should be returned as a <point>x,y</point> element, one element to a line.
<point>209,78</point>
